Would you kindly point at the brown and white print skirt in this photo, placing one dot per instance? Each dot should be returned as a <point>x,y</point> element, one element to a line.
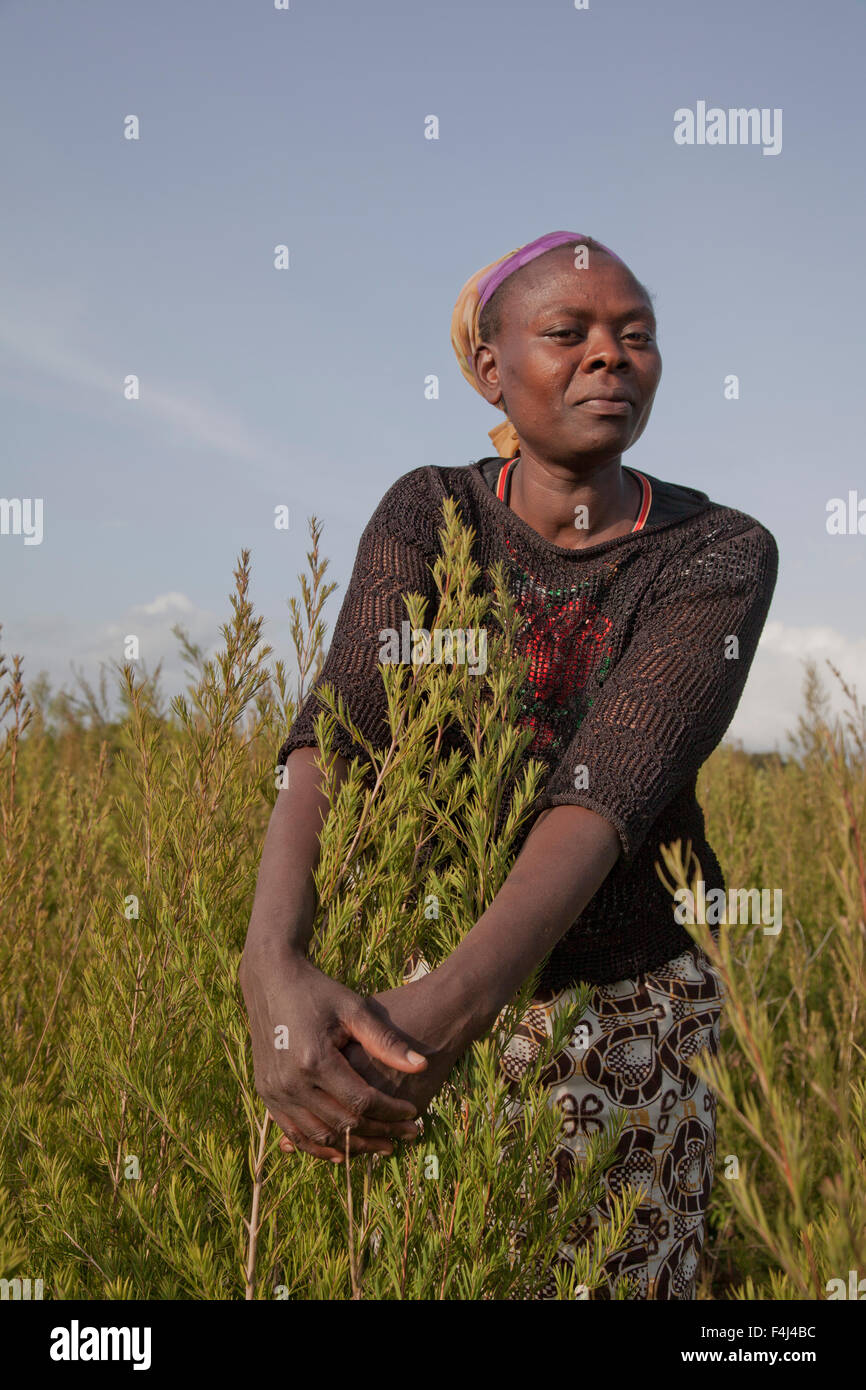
<point>630,1051</point>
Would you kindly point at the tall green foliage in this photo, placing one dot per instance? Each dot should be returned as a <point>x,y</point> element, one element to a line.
<point>790,1194</point>
<point>138,1160</point>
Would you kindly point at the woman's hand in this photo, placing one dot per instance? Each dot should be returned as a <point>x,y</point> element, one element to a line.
<point>435,1027</point>
<point>301,1020</point>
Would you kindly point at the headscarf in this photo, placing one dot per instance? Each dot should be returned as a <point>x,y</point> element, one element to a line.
<point>471,300</point>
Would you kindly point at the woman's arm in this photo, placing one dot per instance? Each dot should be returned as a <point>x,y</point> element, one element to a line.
<point>662,711</point>
<point>348,1061</point>
<point>308,1084</point>
<point>564,860</point>
<point>310,1087</point>
<point>285,901</point>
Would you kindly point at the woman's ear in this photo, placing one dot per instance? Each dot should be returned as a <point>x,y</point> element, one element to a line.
<point>486,368</point>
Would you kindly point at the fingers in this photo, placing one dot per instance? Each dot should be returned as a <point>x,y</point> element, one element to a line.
<point>305,1132</point>
<point>289,1148</point>
<point>390,1129</point>
<point>342,1083</point>
<point>334,1120</point>
<point>327,1097</point>
<point>316,1132</point>
<point>299,1140</point>
<point>320,1068</point>
<point>370,1027</point>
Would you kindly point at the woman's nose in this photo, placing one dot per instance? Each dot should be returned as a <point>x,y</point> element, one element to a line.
<point>604,346</point>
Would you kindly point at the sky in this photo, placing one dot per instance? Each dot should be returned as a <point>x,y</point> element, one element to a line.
<point>307,127</point>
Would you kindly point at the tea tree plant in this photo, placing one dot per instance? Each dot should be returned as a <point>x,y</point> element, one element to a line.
<point>138,1160</point>
<point>792,1127</point>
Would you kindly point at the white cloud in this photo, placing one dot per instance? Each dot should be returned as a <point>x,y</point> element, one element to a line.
<point>56,646</point>
<point>773,698</point>
<point>174,603</point>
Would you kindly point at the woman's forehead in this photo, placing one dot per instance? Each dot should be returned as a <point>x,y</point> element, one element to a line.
<point>560,283</point>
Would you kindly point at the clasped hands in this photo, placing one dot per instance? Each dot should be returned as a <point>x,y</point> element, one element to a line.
<point>417,1088</point>
<point>366,1066</point>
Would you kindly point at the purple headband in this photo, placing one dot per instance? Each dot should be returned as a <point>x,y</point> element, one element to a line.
<point>491,282</point>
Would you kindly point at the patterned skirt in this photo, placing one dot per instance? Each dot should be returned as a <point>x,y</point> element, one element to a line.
<point>630,1051</point>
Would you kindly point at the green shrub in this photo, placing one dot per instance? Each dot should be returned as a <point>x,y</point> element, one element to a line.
<point>137,1158</point>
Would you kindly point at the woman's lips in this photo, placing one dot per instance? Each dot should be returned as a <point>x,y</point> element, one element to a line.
<point>600,407</point>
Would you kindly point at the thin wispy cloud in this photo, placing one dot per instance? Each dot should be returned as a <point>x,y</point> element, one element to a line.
<point>47,347</point>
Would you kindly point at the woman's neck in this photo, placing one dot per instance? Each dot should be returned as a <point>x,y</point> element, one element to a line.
<point>600,505</point>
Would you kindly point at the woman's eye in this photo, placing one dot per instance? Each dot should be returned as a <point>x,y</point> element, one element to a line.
<point>576,333</point>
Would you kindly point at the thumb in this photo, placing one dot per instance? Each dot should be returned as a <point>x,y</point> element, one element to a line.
<point>381,1040</point>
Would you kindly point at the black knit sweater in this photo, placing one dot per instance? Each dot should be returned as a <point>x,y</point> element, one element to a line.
<point>640,649</point>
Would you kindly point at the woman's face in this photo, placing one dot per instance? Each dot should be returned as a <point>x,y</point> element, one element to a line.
<point>568,337</point>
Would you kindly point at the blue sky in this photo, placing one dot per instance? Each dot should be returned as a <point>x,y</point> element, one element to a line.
<point>306,387</point>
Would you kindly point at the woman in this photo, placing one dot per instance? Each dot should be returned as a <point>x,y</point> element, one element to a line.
<point>644,602</point>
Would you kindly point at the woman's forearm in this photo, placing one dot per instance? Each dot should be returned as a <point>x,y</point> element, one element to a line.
<point>281,922</point>
<point>565,859</point>
<point>306,1081</point>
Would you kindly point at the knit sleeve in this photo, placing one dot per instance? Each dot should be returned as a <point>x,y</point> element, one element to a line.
<point>393,558</point>
<point>666,704</point>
